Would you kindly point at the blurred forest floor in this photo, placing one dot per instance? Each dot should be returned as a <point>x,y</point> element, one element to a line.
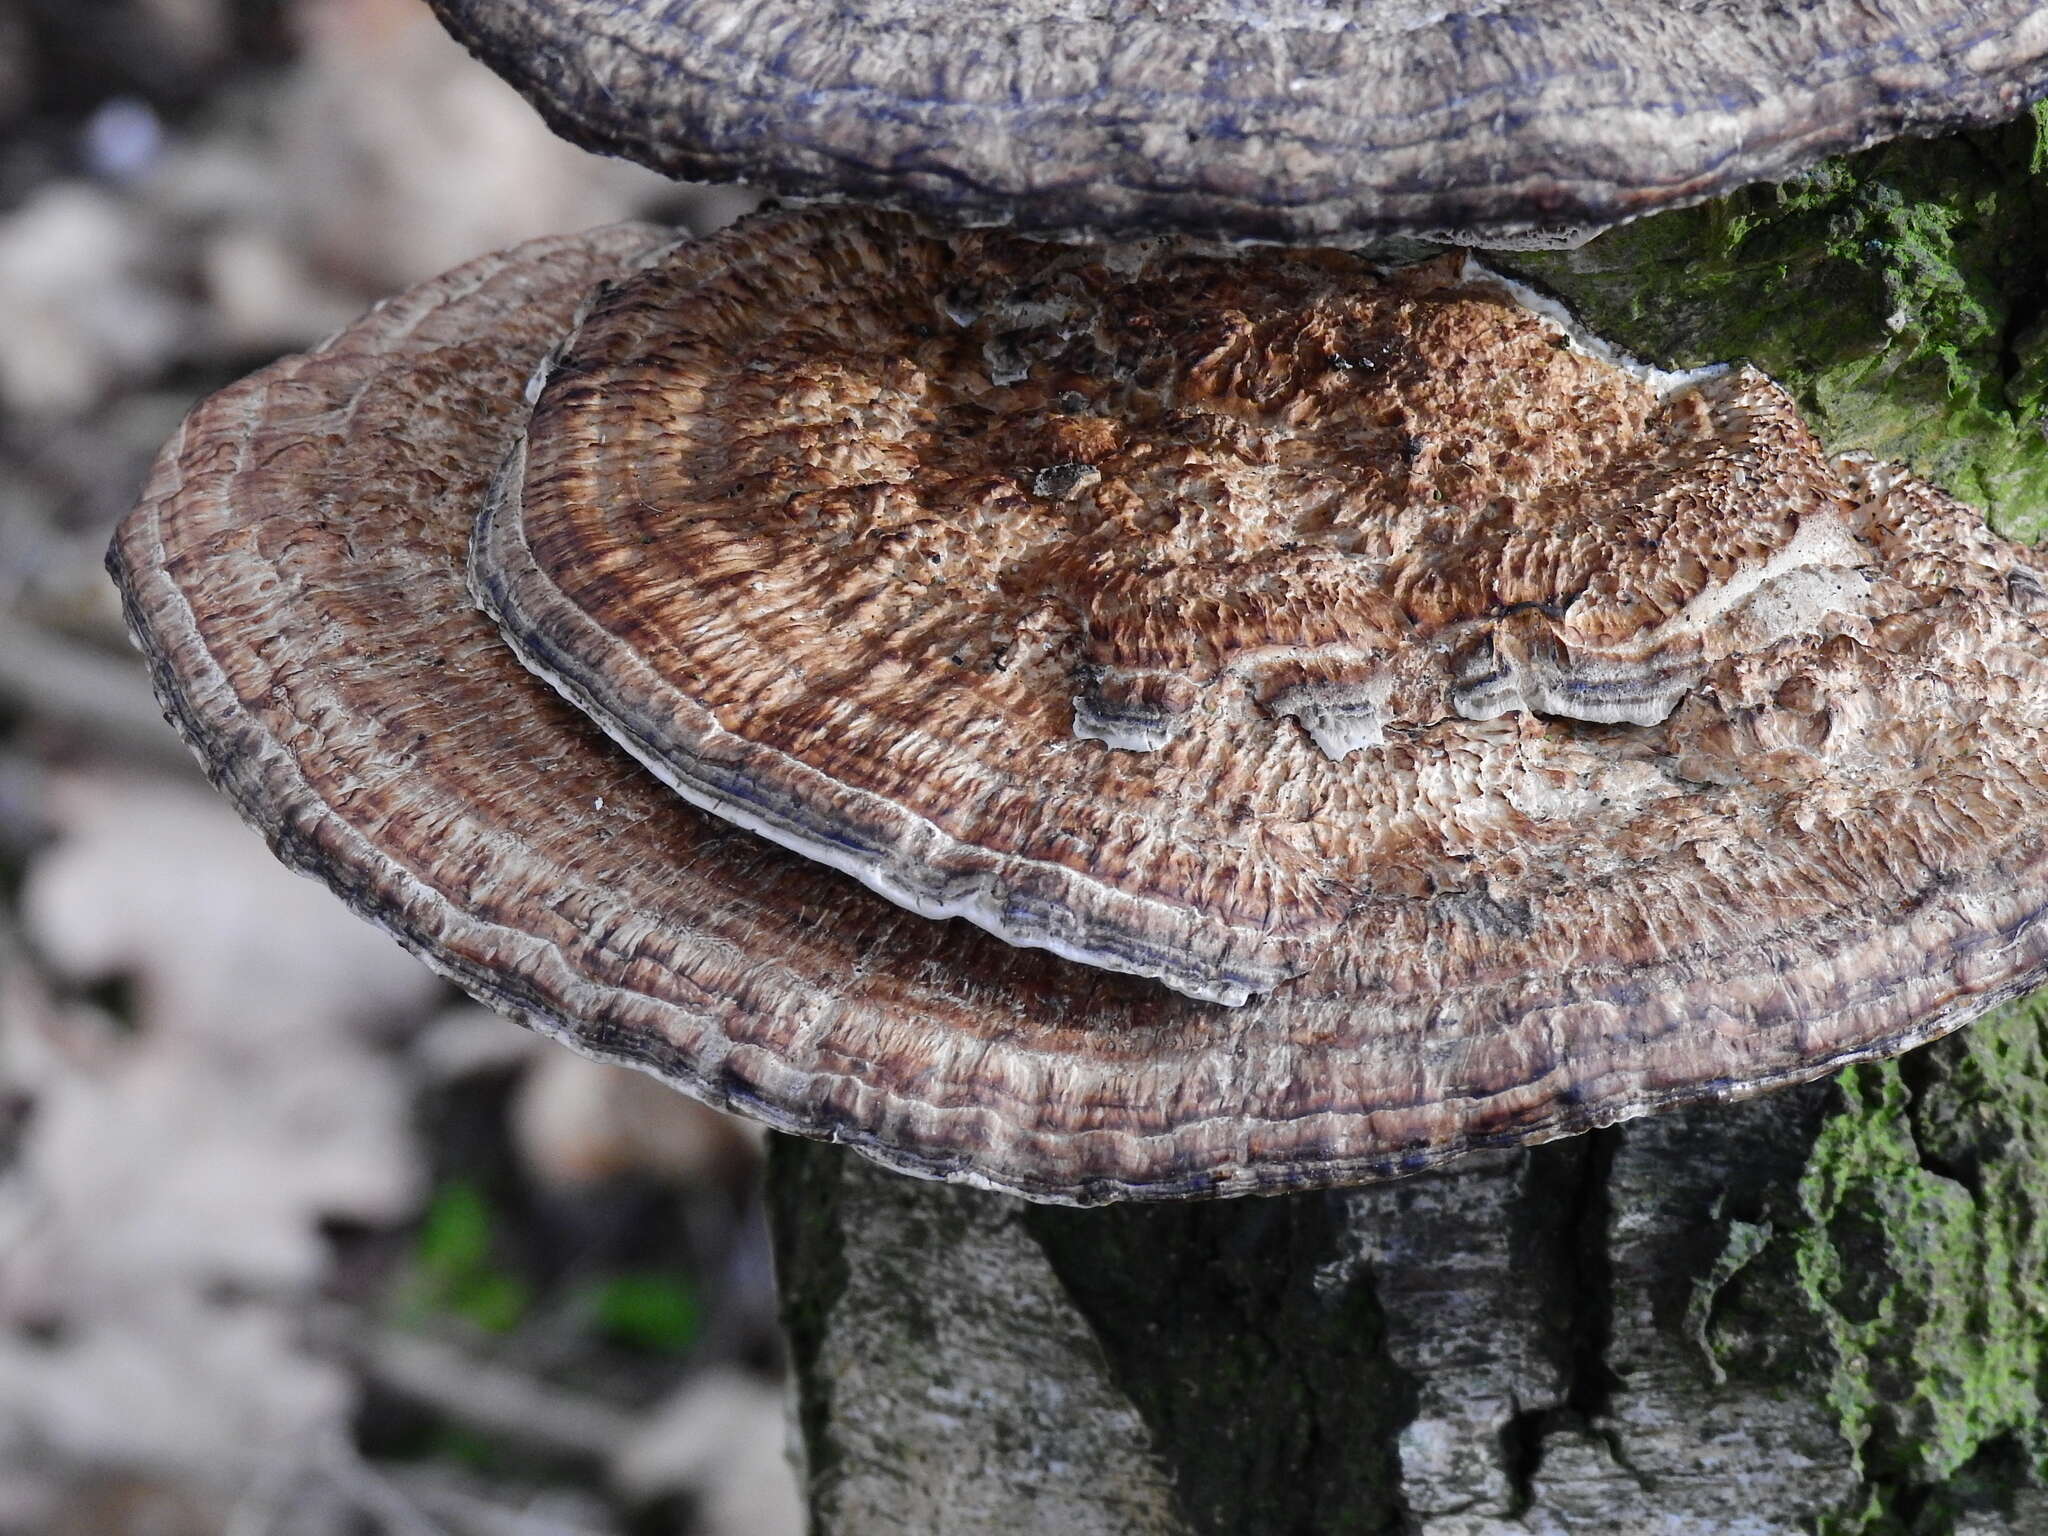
<point>295,1241</point>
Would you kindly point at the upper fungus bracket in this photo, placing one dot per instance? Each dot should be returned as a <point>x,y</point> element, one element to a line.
<point>1526,122</point>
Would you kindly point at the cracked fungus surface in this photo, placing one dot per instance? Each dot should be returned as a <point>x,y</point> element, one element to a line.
<point>1255,620</point>
<point>1829,850</point>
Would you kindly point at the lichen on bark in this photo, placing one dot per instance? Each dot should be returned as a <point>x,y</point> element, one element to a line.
<point>1901,294</point>
<point>1901,1280</point>
<point>1925,1257</point>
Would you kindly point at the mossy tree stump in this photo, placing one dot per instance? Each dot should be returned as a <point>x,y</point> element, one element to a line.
<point>1824,1311</point>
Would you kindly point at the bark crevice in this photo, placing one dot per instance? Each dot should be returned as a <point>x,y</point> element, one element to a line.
<point>1258,1364</point>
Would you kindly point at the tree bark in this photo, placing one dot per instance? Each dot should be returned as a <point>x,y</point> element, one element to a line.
<point>1821,1312</point>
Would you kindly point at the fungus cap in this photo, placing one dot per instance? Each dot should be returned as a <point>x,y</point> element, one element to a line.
<point>295,573</point>
<point>1294,120</point>
<point>1188,612</point>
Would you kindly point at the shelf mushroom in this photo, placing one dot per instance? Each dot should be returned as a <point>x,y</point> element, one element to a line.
<point>1182,613</point>
<point>1793,813</point>
<point>1294,120</point>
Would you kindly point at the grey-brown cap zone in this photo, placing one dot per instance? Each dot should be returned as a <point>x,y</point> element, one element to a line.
<point>1831,848</point>
<point>1297,120</point>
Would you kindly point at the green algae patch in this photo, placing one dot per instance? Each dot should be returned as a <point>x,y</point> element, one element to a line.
<point>1899,293</point>
<point>1922,1254</point>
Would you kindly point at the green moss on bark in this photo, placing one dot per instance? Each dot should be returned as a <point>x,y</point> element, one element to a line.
<point>1899,293</point>
<point>1901,1277</point>
<point>1923,1254</point>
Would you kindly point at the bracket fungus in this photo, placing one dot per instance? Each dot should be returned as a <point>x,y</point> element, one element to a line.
<point>1297,120</point>
<point>1606,747</point>
<point>849,531</point>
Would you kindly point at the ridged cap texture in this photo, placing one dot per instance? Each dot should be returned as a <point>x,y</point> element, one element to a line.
<point>1832,845</point>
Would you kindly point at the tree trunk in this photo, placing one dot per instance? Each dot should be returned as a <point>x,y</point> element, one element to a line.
<point>1820,1312</point>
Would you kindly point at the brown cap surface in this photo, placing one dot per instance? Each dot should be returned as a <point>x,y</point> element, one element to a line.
<point>1298,120</point>
<point>1148,604</point>
<point>1862,863</point>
